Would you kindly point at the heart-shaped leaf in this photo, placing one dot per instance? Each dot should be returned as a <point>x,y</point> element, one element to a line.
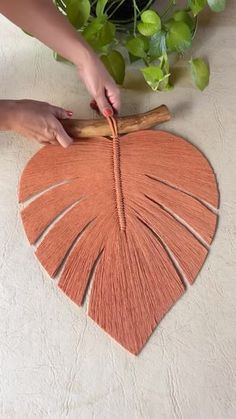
<point>150,23</point>
<point>115,64</point>
<point>78,12</point>
<point>137,47</point>
<point>99,33</point>
<point>153,76</point>
<point>200,73</point>
<point>134,214</point>
<point>179,36</point>
<point>157,45</point>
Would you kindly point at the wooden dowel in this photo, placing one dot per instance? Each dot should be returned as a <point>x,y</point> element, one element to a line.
<point>78,128</point>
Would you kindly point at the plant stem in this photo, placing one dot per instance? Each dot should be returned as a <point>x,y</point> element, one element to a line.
<point>60,5</point>
<point>135,15</point>
<point>147,6</point>
<point>121,28</point>
<point>116,8</point>
<point>112,3</point>
<point>195,27</point>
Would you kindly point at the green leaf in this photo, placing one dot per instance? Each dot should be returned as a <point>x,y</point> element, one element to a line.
<point>217,5</point>
<point>150,16</point>
<point>101,4</point>
<point>150,23</point>
<point>78,12</point>
<point>200,73</point>
<point>153,76</point>
<point>179,37</point>
<point>115,64</point>
<point>157,45</point>
<point>106,34</point>
<point>197,6</point>
<point>146,29</point>
<point>184,16</point>
<point>99,33</point>
<point>136,47</point>
<point>93,27</point>
<point>164,65</point>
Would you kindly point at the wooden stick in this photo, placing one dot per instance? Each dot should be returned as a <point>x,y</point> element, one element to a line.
<point>78,128</point>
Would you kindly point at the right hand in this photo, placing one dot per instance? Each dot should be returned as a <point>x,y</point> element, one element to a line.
<point>39,121</point>
<point>99,84</point>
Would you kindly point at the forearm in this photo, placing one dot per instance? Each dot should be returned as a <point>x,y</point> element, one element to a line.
<point>42,19</point>
<point>6,115</point>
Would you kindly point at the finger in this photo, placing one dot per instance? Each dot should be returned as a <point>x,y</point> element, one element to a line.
<point>62,137</point>
<point>61,113</point>
<point>104,105</point>
<point>113,96</point>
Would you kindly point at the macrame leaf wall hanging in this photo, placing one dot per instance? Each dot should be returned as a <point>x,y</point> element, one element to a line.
<point>134,214</point>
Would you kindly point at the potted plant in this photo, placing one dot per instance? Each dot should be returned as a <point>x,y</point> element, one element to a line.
<point>145,31</point>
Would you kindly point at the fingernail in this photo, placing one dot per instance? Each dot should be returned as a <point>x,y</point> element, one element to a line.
<point>107,112</point>
<point>69,113</point>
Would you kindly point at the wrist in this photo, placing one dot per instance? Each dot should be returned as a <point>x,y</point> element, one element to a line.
<point>82,54</point>
<point>7,110</point>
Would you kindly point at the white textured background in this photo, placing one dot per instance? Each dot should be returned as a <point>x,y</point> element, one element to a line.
<point>55,362</point>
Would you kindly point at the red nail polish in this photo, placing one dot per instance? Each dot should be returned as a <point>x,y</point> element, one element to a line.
<point>107,112</point>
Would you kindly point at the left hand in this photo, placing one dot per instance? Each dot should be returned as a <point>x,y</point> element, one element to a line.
<point>39,121</point>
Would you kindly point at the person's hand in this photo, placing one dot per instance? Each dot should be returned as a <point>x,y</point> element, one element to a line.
<point>40,121</point>
<point>100,84</point>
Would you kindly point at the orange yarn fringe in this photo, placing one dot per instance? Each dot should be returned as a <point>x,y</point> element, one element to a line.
<point>134,215</point>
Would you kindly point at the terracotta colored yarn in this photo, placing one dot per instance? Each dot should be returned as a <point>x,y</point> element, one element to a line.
<point>135,215</point>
